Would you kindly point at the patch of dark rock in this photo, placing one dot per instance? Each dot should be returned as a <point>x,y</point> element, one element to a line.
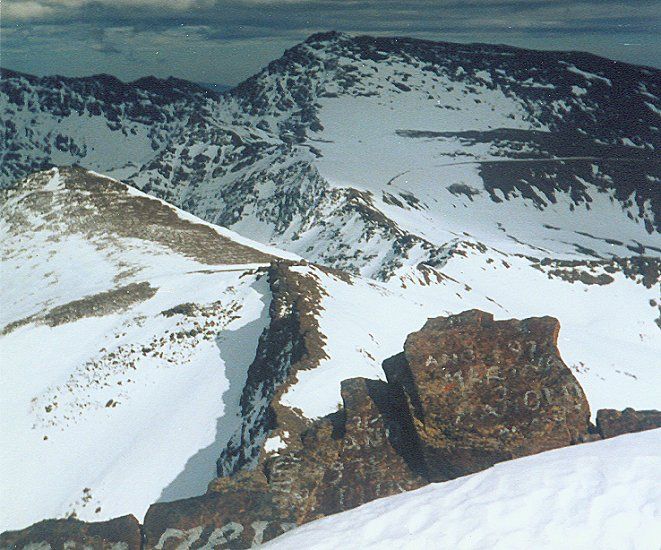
<point>392,200</point>
<point>96,305</point>
<point>188,310</point>
<point>462,189</point>
<point>574,275</point>
<point>411,200</point>
<point>611,423</point>
<point>122,532</point>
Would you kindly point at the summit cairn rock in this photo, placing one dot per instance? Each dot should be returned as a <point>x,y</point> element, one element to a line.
<point>482,391</point>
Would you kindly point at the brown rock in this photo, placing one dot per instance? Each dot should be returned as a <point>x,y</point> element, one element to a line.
<point>611,423</point>
<point>75,534</point>
<point>348,458</point>
<point>481,391</point>
<point>341,461</point>
<point>241,514</point>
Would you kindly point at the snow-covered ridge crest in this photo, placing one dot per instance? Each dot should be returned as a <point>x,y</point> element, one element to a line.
<point>146,319</point>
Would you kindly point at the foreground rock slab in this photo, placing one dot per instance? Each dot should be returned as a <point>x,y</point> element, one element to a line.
<point>121,533</point>
<point>243,515</point>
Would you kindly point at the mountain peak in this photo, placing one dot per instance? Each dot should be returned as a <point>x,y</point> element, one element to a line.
<point>326,36</point>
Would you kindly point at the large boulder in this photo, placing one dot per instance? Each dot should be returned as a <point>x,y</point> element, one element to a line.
<point>481,391</point>
<point>611,423</point>
<point>123,532</point>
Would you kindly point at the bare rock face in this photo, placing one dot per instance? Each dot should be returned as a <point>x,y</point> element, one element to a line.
<point>241,515</point>
<point>481,391</point>
<point>467,392</point>
<point>611,423</point>
<point>122,532</point>
<point>347,458</point>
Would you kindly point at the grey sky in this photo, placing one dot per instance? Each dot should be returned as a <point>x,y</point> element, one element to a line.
<point>228,40</point>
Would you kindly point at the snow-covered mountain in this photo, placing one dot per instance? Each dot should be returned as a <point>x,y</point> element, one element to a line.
<point>375,154</point>
<point>381,182</point>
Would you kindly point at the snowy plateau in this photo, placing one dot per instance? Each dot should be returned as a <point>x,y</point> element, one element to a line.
<point>189,279</point>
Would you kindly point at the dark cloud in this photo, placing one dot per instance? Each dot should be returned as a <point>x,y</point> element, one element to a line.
<point>190,30</point>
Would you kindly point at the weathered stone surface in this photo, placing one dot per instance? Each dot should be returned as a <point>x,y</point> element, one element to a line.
<point>121,533</point>
<point>481,391</point>
<point>343,460</point>
<point>240,515</point>
<point>611,423</point>
<point>350,457</point>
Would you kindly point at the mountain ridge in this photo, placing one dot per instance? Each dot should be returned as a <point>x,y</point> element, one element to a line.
<point>267,132</point>
<point>312,329</point>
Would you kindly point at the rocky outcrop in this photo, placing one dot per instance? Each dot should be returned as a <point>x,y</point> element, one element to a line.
<point>120,534</point>
<point>481,391</point>
<point>360,453</point>
<point>343,460</point>
<point>466,392</point>
<point>242,515</point>
<point>611,423</point>
<point>292,342</point>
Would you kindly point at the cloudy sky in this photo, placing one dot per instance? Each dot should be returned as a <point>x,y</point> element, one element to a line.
<point>225,41</point>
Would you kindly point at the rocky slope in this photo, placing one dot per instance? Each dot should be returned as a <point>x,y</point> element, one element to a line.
<point>466,393</point>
